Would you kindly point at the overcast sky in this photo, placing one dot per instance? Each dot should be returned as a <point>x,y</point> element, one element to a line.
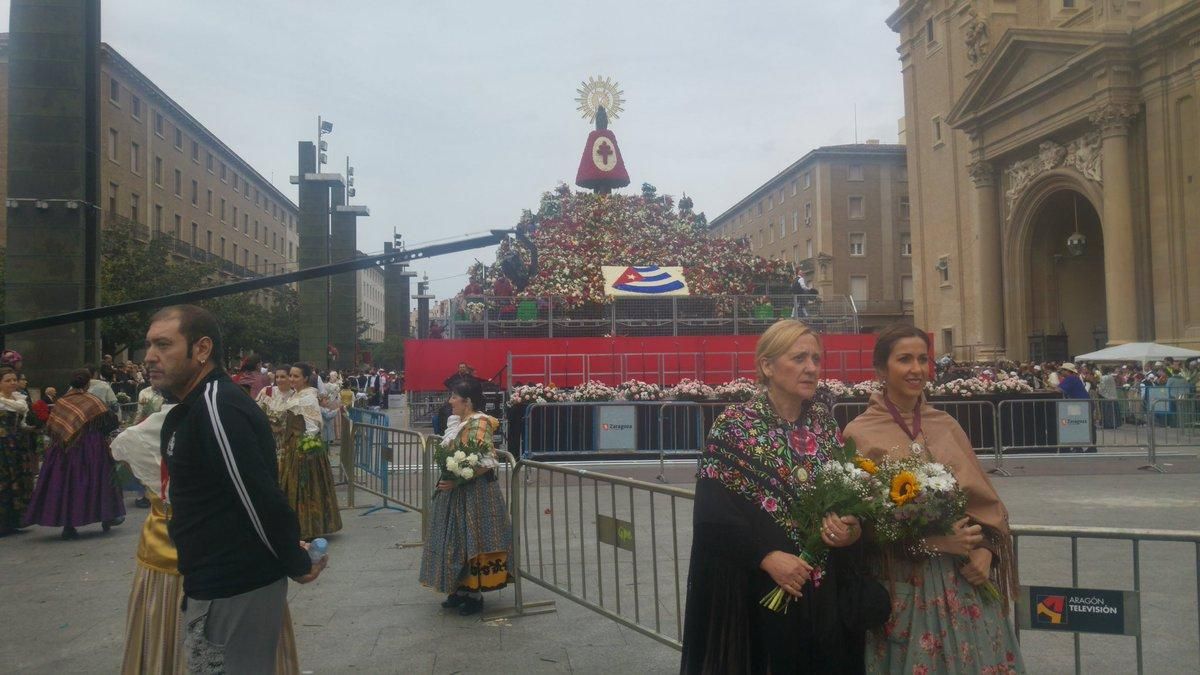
<point>458,115</point>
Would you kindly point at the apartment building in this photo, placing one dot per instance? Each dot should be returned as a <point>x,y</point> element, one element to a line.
<point>841,213</point>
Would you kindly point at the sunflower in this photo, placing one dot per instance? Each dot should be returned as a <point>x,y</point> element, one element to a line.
<point>904,488</point>
<point>866,465</point>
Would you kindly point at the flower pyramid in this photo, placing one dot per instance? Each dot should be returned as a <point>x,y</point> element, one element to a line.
<point>576,233</point>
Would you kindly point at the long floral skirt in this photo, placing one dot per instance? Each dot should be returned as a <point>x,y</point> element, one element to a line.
<point>18,467</point>
<point>940,624</point>
<point>154,628</point>
<point>76,486</point>
<point>307,480</point>
<point>470,540</point>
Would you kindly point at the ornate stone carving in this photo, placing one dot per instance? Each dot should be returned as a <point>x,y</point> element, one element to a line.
<point>976,40</point>
<point>1114,117</point>
<point>983,174</point>
<point>1081,154</point>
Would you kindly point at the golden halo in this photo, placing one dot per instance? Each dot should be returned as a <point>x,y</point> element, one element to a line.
<point>596,92</point>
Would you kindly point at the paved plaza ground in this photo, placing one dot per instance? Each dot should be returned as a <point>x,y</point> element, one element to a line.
<point>62,604</point>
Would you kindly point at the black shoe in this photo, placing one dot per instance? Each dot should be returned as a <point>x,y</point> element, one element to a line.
<point>142,502</point>
<point>453,600</point>
<point>470,606</point>
<point>69,533</point>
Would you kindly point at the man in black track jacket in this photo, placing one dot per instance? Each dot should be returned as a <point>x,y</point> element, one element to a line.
<point>238,539</point>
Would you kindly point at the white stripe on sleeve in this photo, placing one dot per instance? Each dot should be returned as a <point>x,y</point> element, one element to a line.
<point>210,399</point>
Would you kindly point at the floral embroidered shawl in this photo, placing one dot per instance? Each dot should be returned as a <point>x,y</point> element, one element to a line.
<point>758,455</point>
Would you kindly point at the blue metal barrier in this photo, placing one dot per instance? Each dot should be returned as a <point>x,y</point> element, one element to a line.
<point>368,416</point>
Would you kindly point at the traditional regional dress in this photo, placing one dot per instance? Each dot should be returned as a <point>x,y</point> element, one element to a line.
<point>470,536</point>
<point>748,475</point>
<point>153,622</point>
<point>76,485</point>
<point>18,462</point>
<point>273,402</point>
<point>306,478</point>
<point>940,623</point>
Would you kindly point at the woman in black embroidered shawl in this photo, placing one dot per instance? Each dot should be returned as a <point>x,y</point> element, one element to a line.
<point>743,543</point>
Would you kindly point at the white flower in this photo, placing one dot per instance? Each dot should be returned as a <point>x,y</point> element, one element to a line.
<point>467,473</point>
<point>459,455</point>
<point>451,464</point>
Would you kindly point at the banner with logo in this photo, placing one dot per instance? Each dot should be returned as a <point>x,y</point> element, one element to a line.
<point>644,281</point>
<point>1079,610</point>
<point>616,427</point>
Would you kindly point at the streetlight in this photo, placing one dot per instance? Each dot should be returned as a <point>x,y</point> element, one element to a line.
<point>350,191</point>
<point>323,127</point>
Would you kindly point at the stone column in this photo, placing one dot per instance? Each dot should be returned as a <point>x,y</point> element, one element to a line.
<point>1120,268</point>
<point>989,285</point>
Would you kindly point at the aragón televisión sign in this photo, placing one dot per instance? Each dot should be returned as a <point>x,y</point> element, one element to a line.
<point>1079,610</point>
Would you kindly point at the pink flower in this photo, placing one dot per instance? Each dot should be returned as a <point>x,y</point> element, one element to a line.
<point>770,505</point>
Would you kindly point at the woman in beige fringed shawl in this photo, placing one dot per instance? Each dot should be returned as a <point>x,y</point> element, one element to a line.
<point>940,621</point>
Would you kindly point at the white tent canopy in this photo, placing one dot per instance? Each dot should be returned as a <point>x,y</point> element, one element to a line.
<point>1142,352</point>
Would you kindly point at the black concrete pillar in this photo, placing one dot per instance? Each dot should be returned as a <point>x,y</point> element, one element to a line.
<point>53,249</point>
<point>423,297</point>
<point>315,336</point>
<point>343,288</point>
<point>397,311</point>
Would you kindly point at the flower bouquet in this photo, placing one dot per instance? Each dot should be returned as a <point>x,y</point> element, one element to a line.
<point>741,389</point>
<point>593,390</point>
<point>839,485</point>
<point>460,462</point>
<point>311,444</point>
<point>636,390</point>
<point>919,499</point>
<point>534,393</point>
<point>690,390</point>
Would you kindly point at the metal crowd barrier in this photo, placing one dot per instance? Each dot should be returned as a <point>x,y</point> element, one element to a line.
<point>682,429</point>
<point>1159,601</point>
<point>368,416</point>
<point>392,464</point>
<point>591,427</point>
<point>584,536</point>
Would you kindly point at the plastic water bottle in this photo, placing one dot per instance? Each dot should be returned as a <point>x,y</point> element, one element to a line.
<point>317,549</point>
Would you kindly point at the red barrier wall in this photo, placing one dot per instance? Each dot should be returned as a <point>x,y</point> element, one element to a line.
<point>569,361</point>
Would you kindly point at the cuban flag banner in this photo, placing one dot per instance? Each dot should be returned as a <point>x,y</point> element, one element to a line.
<point>644,280</point>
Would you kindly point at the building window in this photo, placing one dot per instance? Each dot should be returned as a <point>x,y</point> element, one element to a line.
<point>235,250</point>
<point>208,241</point>
<point>854,172</point>
<point>1068,4</point>
<point>208,162</point>
<point>255,268</point>
<point>136,108</point>
<point>245,223</point>
<point>807,179</point>
<point>795,221</point>
<point>178,183</point>
<point>904,208</point>
<point>158,171</point>
<point>273,245</point>
<point>235,221</point>
<point>158,213</point>
<point>178,226</point>
<point>178,138</point>
<point>906,245</point>
<point>112,198</point>
<point>114,90</point>
<point>222,209</point>
<point>943,269</point>
<point>245,258</point>
<point>937,131</point>
<point>782,227</point>
<point>135,158</point>
<point>771,202</point>
<point>855,208</point>
<point>902,173</point>
<point>208,202</point>
<point>906,289</point>
<point>195,193</point>
<point>930,41</point>
<point>224,172</point>
<point>235,181</point>
<point>808,250</point>
<point>196,151</point>
<point>795,187</point>
<point>112,144</point>
<point>808,214</point>
<point>291,253</point>
<point>158,123</point>
<point>223,247</point>
<point>195,234</point>
<point>255,230</point>
<point>858,288</point>
<point>135,202</point>
<point>858,243</point>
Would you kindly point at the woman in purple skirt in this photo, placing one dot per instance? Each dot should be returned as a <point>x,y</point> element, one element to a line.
<point>76,485</point>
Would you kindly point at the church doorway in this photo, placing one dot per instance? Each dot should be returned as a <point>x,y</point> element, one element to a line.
<point>1066,310</point>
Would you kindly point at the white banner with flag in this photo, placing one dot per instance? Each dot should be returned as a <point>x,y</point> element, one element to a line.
<point>644,280</point>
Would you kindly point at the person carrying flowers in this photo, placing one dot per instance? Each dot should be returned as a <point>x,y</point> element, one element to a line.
<point>470,537</point>
<point>304,471</point>
<point>951,590</point>
<point>747,544</point>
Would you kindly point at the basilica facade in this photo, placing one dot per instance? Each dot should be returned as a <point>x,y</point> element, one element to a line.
<point>1054,163</point>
